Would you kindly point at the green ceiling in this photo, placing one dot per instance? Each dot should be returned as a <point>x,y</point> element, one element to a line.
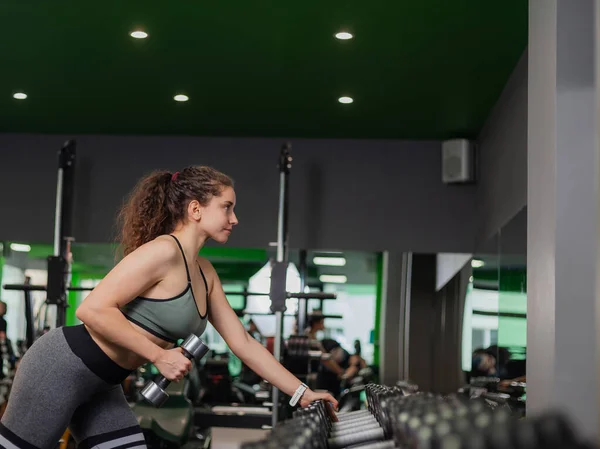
<point>416,68</point>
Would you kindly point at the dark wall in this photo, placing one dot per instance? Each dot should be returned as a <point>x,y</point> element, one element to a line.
<point>510,239</point>
<point>424,324</point>
<point>363,195</point>
<point>502,191</point>
<point>436,320</point>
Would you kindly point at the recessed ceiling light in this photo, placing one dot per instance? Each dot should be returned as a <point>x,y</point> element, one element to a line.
<point>181,97</point>
<point>138,34</point>
<point>333,278</point>
<point>343,36</point>
<point>475,263</point>
<point>20,96</point>
<point>329,261</point>
<point>345,100</point>
<point>20,247</point>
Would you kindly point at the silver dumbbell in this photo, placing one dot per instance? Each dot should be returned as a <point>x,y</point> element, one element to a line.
<point>154,392</point>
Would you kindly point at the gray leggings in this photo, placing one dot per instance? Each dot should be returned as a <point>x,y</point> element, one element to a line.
<point>54,389</point>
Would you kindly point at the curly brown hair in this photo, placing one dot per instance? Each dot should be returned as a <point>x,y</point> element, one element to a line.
<point>159,201</point>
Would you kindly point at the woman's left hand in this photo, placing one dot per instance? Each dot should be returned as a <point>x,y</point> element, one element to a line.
<point>310,396</point>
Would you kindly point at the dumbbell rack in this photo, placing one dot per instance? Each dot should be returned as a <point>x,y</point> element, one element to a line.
<point>395,420</point>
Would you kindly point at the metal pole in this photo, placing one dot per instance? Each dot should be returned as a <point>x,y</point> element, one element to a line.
<point>58,211</point>
<point>302,302</point>
<point>63,226</point>
<point>63,221</point>
<point>406,293</point>
<point>29,325</point>
<point>282,254</point>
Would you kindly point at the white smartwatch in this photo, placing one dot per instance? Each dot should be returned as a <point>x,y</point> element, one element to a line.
<point>298,394</point>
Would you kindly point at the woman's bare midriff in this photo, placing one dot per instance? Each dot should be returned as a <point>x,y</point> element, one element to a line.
<point>124,357</point>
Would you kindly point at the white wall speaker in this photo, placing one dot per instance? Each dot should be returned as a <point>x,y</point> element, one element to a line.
<point>458,161</point>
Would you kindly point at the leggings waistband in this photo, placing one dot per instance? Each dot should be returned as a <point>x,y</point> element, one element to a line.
<point>83,346</point>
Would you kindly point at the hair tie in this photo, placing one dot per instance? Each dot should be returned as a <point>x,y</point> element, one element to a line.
<point>174,177</point>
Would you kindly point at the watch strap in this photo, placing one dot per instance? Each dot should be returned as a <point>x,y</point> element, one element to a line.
<point>298,394</point>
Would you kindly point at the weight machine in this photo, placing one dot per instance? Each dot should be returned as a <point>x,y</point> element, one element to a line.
<point>278,292</point>
<point>58,264</point>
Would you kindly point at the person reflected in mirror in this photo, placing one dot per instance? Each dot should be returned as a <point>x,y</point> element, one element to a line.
<point>341,366</point>
<point>483,364</point>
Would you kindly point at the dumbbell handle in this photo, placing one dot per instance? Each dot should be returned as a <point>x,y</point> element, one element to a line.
<point>163,382</point>
<point>155,392</point>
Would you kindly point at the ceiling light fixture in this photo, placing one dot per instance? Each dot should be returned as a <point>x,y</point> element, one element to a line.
<point>329,261</point>
<point>20,96</point>
<point>333,278</point>
<point>181,97</point>
<point>139,34</point>
<point>20,247</point>
<point>343,35</point>
<point>345,100</point>
<point>477,263</point>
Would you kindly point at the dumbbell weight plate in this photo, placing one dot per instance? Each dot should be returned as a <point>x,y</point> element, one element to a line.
<point>154,394</point>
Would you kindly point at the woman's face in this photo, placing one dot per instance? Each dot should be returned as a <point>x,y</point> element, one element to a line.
<point>218,217</point>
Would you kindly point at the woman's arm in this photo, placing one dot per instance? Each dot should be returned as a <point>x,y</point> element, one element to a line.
<point>251,352</point>
<point>354,366</point>
<point>137,272</point>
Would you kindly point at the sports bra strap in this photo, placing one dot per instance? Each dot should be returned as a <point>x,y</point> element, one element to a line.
<point>184,261</point>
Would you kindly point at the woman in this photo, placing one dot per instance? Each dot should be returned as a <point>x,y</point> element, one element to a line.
<point>160,292</point>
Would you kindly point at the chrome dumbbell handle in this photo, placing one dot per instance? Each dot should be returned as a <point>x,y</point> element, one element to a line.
<point>155,392</point>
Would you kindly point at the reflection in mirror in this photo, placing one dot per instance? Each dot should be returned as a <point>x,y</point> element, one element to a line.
<point>495,324</point>
<point>480,325</point>
<point>349,325</point>
<point>512,305</point>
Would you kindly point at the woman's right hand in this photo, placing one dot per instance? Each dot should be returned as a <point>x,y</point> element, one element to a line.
<point>172,364</point>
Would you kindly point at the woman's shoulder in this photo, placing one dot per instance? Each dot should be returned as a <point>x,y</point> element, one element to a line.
<point>206,265</point>
<point>209,271</point>
<point>162,248</point>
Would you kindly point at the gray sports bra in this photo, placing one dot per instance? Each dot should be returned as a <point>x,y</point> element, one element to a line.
<point>171,319</point>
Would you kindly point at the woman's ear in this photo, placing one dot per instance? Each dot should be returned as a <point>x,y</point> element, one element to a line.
<point>195,210</point>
